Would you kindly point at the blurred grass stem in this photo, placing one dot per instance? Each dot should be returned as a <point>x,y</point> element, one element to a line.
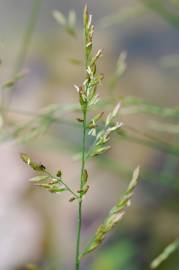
<point>27,37</point>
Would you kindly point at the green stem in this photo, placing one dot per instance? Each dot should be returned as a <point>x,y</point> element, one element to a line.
<point>27,37</point>
<point>83,159</point>
<point>24,47</point>
<point>79,221</point>
<point>69,189</point>
<point>61,181</point>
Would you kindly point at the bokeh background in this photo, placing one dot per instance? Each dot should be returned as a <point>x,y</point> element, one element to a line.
<point>39,228</point>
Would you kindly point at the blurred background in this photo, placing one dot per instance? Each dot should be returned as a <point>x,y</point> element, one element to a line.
<point>140,64</point>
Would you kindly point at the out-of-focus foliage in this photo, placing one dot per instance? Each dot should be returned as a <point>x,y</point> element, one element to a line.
<point>165,254</point>
<point>169,10</point>
<point>68,23</point>
<point>125,14</point>
<point>32,267</point>
<point>109,258</point>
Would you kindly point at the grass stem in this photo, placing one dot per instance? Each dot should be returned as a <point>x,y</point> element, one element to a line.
<point>79,221</point>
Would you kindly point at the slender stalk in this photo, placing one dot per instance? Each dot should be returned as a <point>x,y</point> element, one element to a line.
<point>87,98</point>
<point>83,159</point>
<point>24,48</point>
<point>79,221</point>
<point>66,186</point>
<point>69,189</point>
<point>27,37</point>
